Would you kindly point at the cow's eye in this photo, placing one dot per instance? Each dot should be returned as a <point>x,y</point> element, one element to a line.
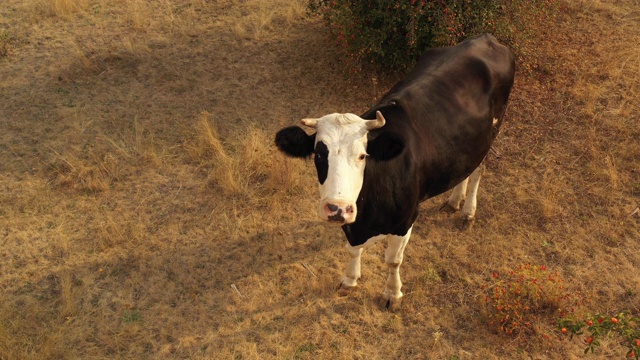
<point>362,157</point>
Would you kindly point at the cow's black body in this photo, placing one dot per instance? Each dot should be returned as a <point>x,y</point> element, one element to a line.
<point>444,112</point>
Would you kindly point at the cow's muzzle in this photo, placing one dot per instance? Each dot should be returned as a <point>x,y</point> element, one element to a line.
<point>338,212</point>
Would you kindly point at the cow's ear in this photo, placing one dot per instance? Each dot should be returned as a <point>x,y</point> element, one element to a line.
<point>293,141</point>
<point>385,146</point>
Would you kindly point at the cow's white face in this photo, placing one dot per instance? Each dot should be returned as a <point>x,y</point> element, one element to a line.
<point>340,153</point>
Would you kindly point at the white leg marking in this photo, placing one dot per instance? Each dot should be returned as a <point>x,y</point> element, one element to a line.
<point>351,276</point>
<point>393,258</point>
<point>469,209</point>
<point>459,193</point>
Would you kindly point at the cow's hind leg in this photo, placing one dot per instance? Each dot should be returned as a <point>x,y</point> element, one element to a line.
<point>392,295</point>
<point>469,208</point>
<point>458,195</point>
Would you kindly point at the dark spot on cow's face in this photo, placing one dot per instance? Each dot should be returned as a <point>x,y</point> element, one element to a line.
<point>321,159</point>
<point>337,217</point>
<point>332,207</point>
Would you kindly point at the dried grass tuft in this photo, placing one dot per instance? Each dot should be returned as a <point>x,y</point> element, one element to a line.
<point>98,55</point>
<point>246,164</point>
<point>57,8</point>
<point>224,173</point>
<point>72,173</point>
<point>262,19</point>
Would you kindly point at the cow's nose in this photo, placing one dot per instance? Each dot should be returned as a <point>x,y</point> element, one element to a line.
<point>332,207</point>
<point>338,212</point>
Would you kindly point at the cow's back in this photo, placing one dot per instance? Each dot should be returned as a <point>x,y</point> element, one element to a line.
<point>444,109</point>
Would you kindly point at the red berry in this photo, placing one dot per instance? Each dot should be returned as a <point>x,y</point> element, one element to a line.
<point>614,320</point>
<point>589,340</point>
<point>600,320</point>
<point>637,342</point>
<point>589,322</point>
<point>564,330</point>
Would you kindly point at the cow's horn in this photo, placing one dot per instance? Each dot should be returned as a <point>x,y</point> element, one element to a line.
<point>309,122</point>
<point>377,123</point>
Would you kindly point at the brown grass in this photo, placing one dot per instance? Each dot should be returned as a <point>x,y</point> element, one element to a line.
<point>56,8</point>
<point>139,182</point>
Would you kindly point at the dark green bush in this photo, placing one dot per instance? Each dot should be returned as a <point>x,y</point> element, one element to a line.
<point>391,34</point>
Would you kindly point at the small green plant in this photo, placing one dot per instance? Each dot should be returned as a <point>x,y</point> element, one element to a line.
<point>623,325</point>
<point>516,301</point>
<point>307,347</point>
<point>131,316</point>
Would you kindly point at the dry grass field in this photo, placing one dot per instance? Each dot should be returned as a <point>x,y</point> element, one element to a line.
<point>140,188</point>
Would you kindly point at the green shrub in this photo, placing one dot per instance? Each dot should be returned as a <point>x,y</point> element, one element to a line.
<point>623,326</point>
<point>391,34</point>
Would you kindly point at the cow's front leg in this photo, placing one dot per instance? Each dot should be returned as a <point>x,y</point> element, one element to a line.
<point>351,276</point>
<point>392,295</point>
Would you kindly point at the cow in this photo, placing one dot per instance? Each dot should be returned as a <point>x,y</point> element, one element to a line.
<point>430,133</point>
